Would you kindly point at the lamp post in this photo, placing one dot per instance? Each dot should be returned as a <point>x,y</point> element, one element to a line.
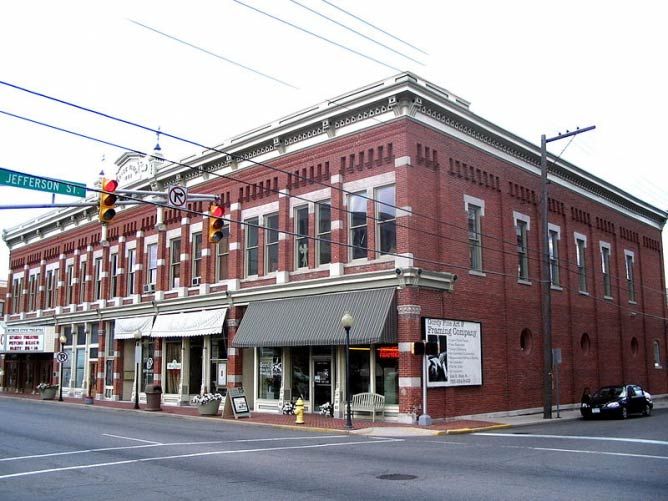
<point>137,337</point>
<point>63,340</point>
<point>347,322</point>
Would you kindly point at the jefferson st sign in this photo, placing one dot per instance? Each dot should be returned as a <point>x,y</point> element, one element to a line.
<point>20,180</point>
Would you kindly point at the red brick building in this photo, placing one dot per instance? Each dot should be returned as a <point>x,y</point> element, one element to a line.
<point>394,203</point>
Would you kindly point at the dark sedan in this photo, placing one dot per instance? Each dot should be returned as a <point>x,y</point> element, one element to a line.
<point>617,401</point>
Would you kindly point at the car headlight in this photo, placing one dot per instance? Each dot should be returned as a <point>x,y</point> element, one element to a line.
<point>584,405</point>
<point>612,405</point>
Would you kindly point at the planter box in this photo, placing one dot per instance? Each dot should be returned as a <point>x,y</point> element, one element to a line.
<point>209,409</point>
<point>48,394</point>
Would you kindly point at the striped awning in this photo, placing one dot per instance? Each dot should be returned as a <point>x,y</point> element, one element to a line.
<point>125,328</point>
<point>316,320</point>
<point>188,324</point>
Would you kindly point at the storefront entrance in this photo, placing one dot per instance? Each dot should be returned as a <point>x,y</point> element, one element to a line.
<point>322,381</point>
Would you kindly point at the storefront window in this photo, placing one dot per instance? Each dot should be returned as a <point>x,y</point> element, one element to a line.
<point>81,334</point>
<point>195,375</point>
<point>219,364</point>
<point>387,373</point>
<point>300,372</point>
<point>359,370</point>
<point>173,354</point>
<point>94,333</point>
<point>270,373</point>
<point>67,368</point>
<point>148,347</point>
<point>109,373</point>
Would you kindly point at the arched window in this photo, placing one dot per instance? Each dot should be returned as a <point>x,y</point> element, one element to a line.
<point>657,355</point>
<point>634,346</point>
<point>526,341</point>
<point>585,343</point>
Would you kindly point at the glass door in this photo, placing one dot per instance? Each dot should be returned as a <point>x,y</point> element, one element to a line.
<point>322,381</point>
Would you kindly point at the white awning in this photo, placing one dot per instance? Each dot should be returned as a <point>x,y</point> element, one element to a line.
<point>125,328</point>
<point>192,323</point>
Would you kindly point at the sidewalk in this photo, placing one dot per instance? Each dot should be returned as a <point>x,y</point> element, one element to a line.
<point>317,422</point>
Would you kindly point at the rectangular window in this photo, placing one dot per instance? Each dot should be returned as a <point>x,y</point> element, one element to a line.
<point>69,277</point>
<point>324,224</point>
<point>80,361</point>
<point>386,222</point>
<point>173,354</point>
<point>197,257</point>
<point>82,282</point>
<point>553,243</point>
<point>301,237</point>
<point>175,263</point>
<point>16,294</point>
<point>605,269</point>
<point>271,243</point>
<point>152,264</point>
<point>475,240</point>
<point>270,373</point>
<point>98,279</point>
<point>132,255</point>
<point>113,275</point>
<point>358,228</point>
<point>522,250</point>
<point>251,246</point>
<point>580,246</point>
<point>222,255</point>
<point>109,372</point>
<point>32,291</point>
<point>50,288</point>
<point>109,339</point>
<point>67,368</point>
<point>630,280</point>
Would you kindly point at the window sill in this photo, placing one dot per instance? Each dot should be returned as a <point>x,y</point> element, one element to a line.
<point>477,273</point>
<point>633,302</point>
<point>608,298</point>
<point>583,293</point>
<point>524,282</point>
<point>556,287</point>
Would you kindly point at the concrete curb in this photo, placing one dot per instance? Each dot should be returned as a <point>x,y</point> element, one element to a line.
<point>461,431</point>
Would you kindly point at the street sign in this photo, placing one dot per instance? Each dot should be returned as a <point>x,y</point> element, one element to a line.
<point>38,183</point>
<point>61,356</point>
<point>177,196</point>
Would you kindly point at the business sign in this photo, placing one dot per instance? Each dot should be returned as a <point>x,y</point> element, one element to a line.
<point>25,342</point>
<point>38,183</point>
<point>459,358</point>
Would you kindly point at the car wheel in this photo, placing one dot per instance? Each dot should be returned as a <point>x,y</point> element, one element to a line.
<point>624,413</point>
<point>647,411</point>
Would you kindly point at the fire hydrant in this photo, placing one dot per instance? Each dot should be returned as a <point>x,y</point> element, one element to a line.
<point>299,411</point>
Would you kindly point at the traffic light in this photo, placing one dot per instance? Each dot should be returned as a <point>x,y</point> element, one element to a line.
<point>107,201</point>
<point>216,213</point>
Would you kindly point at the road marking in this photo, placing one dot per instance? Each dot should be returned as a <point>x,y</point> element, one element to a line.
<point>126,447</point>
<point>130,438</point>
<point>195,454</point>
<point>576,451</point>
<point>577,437</point>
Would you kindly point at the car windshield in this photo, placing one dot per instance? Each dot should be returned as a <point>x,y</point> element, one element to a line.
<point>609,392</point>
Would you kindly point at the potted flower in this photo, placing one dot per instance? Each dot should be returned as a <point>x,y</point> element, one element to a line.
<point>207,403</point>
<point>47,391</point>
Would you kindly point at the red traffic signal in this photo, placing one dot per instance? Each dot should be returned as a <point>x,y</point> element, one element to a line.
<point>107,200</point>
<point>216,223</point>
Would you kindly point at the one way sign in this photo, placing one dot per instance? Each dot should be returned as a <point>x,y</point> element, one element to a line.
<point>177,196</point>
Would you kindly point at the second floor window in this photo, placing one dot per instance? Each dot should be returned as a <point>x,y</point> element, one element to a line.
<point>271,243</point>
<point>17,285</point>
<point>82,282</point>
<point>301,237</point>
<point>132,255</point>
<point>324,224</point>
<point>32,291</point>
<point>152,264</point>
<point>113,275</point>
<point>49,296</point>
<point>386,220</point>
<point>580,246</point>
<point>522,250</point>
<point>605,270</point>
<point>222,255</point>
<point>251,246</point>
<point>69,278</point>
<point>197,257</point>
<point>630,279</point>
<point>97,286</point>
<point>475,240</point>
<point>553,243</point>
<point>175,263</point>
<point>358,228</point>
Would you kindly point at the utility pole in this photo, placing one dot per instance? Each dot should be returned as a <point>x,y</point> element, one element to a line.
<point>546,277</point>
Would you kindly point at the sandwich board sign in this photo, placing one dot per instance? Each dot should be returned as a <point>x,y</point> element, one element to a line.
<point>236,404</point>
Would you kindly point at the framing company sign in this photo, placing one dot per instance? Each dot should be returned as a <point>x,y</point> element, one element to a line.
<point>459,358</point>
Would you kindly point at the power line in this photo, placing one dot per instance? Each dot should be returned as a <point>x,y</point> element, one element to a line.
<point>355,31</point>
<point>374,27</point>
<point>181,41</point>
<point>275,18</point>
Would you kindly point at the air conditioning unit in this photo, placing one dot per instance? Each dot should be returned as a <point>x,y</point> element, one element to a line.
<point>196,281</point>
<point>149,288</point>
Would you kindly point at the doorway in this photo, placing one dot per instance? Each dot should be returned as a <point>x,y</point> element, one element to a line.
<point>322,381</point>
<point>92,379</point>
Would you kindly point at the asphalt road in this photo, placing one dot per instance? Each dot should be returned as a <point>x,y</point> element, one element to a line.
<point>56,451</point>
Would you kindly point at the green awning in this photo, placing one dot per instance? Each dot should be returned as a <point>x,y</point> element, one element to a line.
<point>316,320</point>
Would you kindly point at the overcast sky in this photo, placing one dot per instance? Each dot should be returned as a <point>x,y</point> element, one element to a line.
<point>529,67</point>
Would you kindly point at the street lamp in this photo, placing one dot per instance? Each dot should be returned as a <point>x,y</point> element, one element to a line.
<point>137,337</point>
<point>63,340</point>
<point>347,322</point>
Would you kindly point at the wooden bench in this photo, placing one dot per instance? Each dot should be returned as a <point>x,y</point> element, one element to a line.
<point>368,402</point>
